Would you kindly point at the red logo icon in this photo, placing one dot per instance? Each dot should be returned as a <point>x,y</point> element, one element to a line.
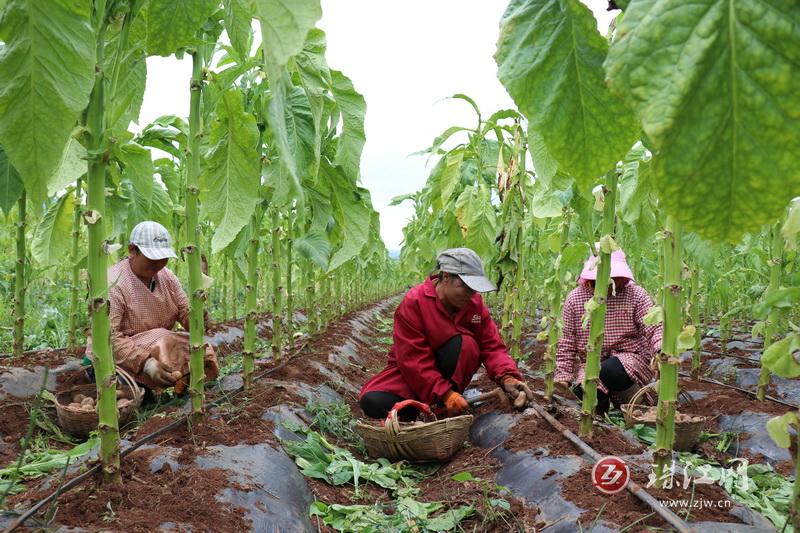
<point>610,474</point>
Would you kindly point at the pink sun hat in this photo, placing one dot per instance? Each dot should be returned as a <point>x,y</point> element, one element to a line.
<point>619,267</point>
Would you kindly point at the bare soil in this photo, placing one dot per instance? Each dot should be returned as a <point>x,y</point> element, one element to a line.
<point>184,497</point>
<point>478,493</point>
<point>624,508</point>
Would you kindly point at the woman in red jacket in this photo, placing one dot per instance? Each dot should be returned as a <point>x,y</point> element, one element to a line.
<point>442,334</point>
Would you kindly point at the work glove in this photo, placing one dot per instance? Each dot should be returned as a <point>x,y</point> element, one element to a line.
<point>455,403</point>
<point>513,388</point>
<point>562,388</point>
<point>156,371</point>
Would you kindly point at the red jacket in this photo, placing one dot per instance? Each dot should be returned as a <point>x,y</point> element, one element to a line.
<point>422,326</point>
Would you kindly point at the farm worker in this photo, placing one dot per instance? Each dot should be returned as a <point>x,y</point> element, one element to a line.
<point>146,300</point>
<point>628,344</point>
<point>442,335</point>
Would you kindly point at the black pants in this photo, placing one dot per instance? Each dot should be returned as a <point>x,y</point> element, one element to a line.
<point>613,376</point>
<point>377,404</point>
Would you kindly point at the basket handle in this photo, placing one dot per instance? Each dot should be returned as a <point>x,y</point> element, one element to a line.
<point>399,406</point>
<point>137,390</point>
<point>632,404</point>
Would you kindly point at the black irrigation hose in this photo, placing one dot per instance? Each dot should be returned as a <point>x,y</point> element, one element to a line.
<point>160,431</point>
<point>736,356</point>
<point>632,487</point>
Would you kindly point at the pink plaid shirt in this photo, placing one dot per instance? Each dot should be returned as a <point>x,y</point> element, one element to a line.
<point>626,336</point>
<point>141,319</point>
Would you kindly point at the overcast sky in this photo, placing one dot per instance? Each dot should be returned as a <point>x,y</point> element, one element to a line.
<point>406,58</point>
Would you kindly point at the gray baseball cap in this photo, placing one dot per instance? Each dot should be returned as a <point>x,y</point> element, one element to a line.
<point>468,266</point>
<point>153,240</point>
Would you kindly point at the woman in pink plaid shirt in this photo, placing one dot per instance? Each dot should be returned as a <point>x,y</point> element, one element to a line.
<point>628,345</point>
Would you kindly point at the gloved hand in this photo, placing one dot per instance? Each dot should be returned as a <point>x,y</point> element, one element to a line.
<point>513,387</point>
<point>455,403</point>
<point>562,388</point>
<point>156,371</point>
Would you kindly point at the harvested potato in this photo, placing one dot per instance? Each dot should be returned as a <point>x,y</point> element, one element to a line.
<point>121,404</point>
<point>88,401</point>
<point>75,405</point>
<point>177,375</point>
<point>120,394</point>
<point>78,398</point>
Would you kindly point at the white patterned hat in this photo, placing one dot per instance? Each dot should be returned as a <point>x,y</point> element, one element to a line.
<point>153,240</point>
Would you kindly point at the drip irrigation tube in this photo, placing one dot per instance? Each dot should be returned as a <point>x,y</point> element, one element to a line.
<point>632,487</point>
<point>736,356</point>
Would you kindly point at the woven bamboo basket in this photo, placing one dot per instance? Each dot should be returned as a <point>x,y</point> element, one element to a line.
<point>431,440</point>
<point>80,423</point>
<point>687,428</point>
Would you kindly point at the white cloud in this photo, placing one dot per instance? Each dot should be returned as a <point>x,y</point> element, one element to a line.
<point>406,58</point>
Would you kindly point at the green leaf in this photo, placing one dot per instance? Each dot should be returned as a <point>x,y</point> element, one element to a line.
<point>654,316</point>
<point>353,107</point>
<point>543,163</point>
<point>470,101</point>
<point>547,200</point>
<point>165,168</point>
<point>686,338</point>
<point>351,213</point>
<point>635,187</point>
<point>463,476</point>
<point>718,95</point>
<point>550,60</point>
<point>47,73</point>
<point>450,519</point>
<point>51,239</point>
<point>280,86</point>
<point>173,24</point>
<point>72,166</point>
<point>608,244</point>
<point>782,298</point>
<point>780,358</point>
<point>157,207</point>
<point>573,255</point>
<point>315,76</point>
<point>315,247</point>
<point>124,105</point>
<point>238,24</point>
<point>778,428</point>
<point>300,130</point>
<point>285,25</point>
<point>233,173</point>
<point>138,168</point>
<point>791,227</point>
<point>10,185</point>
<point>478,220</point>
<point>399,199</point>
<point>451,175</point>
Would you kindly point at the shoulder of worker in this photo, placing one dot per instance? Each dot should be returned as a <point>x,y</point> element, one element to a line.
<point>414,300</point>
<point>580,293</point>
<point>421,291</point>
<point>637,291</point>
<point>170,279</point>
